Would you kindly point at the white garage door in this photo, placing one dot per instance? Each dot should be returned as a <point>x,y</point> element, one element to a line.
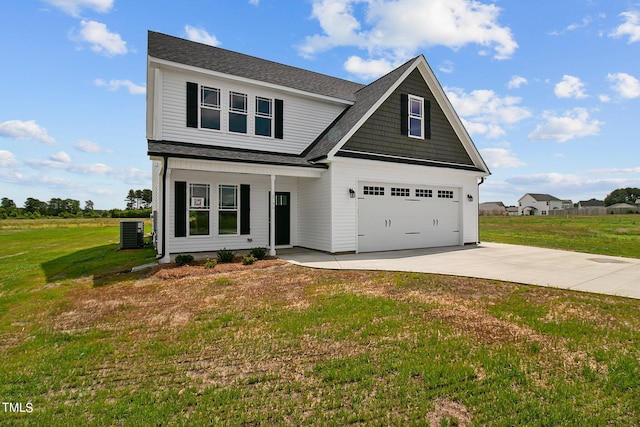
<point>407,217</point>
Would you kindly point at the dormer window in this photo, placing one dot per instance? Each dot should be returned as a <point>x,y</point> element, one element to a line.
<point>416,116</point>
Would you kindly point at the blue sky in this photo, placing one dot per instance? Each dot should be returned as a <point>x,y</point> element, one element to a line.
<point>548,90</point>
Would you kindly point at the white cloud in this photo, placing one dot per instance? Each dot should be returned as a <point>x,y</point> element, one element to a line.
<point>87,146</point>
<point>574,123</point>
<point>73,7</point>
<point>570,87</point>
<point>60,157</point>
<point>397,29</point>
<point>25,130</point>
<point>483,111</point>
<point>101,39</point>
<point>77,168</point>
<point>630,28</point>
<point>7,159</point>
<point>625,85</point>
<point>604,98</point>
<point>499,158</point>
<point>200,35</point>
<point>585,21</point>
<point>368,69</point>
<point>114,85</point>
<point>516,82</point>
<point>254,2</point>
<point>446,67</point>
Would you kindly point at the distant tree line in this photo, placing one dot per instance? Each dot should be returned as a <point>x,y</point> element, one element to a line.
<point>622,195</point>
<point>138,206</point>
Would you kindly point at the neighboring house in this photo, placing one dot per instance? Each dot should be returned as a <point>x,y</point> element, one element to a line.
<point>492,208</point>
<point>591,203</point>
<point>512,211</point>
<point>621,208</point>
<point>236,141</point>
<point>541,204</point>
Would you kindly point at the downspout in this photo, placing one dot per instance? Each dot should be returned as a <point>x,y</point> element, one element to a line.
<point>164,205</point>
<point>478,209</point>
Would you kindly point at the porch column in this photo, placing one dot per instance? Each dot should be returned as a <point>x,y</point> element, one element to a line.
<point>272,224</point>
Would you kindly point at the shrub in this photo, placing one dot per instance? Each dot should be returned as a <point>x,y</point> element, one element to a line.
<point>248,259</point>
<point>210,263</point>
<point>184,259</point>
<point>226,255</point>
<point>258,253</point>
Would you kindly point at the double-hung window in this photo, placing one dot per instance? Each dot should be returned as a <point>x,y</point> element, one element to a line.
<point>238,112</point>
<point>210,108</point>
<point>416,116</point>
<point>228,209</point>
<point>264,116</point>
<point>199,209</point>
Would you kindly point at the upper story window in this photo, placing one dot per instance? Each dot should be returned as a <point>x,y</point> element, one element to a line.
<point>205,105</point>
<point>264,116</point>
<point>416,116</point>
<point>210,108</point>
<point>238,112</point>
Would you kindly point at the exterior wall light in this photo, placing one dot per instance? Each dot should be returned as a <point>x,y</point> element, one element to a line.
<point>352,194</point>
<point>470,197</point>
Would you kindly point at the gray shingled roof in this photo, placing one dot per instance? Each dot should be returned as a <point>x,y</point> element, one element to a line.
<point>200,55</point>
<point>544,197</point>
<point>207,152</point>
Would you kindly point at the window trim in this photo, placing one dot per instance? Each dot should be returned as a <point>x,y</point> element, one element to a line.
<point>240,112</point>
<point>212,107</point>
<point>420,117</point>
<point>235,208</point>
<point>206,207</point>
<point>270,116</point>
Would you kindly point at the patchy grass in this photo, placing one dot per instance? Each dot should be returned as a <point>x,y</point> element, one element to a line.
<point>274,343</point>
<point>617,235</point>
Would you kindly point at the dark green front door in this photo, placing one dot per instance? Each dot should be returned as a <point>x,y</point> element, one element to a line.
<point>283,218</point>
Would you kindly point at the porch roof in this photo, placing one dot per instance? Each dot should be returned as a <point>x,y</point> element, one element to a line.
<point>207,152</point>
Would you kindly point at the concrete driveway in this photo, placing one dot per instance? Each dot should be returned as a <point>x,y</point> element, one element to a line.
<point>513,263</point>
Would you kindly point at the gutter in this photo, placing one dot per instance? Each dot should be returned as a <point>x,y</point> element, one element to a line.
<point>164,205</point>
<point>478,209</point>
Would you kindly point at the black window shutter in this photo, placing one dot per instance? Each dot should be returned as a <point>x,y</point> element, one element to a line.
<point>181,209</point>
<point>245,208</point>
<point>404,114</point>
<point>427,119</point>
<point>192,105</point>
<point>279,112</point>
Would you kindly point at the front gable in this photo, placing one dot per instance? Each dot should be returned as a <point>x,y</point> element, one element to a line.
<point>383,133</point>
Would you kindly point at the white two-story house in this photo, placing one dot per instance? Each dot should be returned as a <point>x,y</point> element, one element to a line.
<point>247,152</point>
<point>541,204</point>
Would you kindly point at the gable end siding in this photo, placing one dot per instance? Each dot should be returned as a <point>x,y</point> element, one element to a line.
<point>382,132</point>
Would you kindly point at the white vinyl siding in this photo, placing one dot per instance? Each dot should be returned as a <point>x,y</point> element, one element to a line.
<point>304,118</point>
<point>315,212</point>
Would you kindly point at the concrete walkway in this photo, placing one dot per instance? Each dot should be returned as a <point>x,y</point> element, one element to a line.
<point>513,263</point>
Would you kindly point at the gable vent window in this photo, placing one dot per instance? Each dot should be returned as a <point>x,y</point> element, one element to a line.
<point>210,108</point>
<point>264,115</point>
<point>445,194</point>
<point>237,112</point>
<point>401,192</point>
<point>373,191</point>
<point>421,192</point>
